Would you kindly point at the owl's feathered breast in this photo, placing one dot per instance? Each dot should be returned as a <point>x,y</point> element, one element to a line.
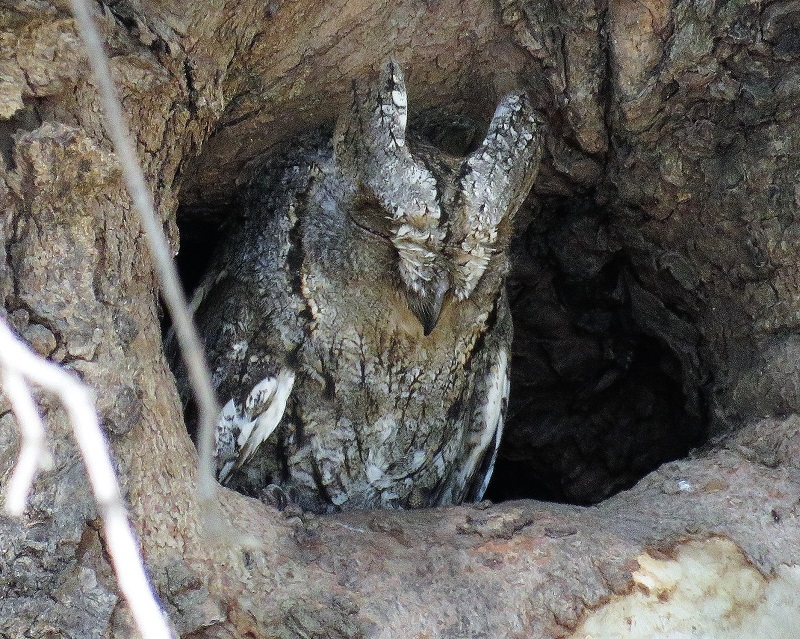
<point>379,412</point>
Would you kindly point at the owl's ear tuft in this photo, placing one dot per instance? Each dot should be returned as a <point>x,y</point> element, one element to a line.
<point>493,182</point>
<point>391,99</point>
<point>511,151</point>
<point>374,124</point>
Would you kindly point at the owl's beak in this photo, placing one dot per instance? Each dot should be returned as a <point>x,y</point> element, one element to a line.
<point>429,318</point>
<point>428,308</point>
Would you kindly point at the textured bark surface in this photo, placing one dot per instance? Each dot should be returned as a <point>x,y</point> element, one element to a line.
<point>668,188</point>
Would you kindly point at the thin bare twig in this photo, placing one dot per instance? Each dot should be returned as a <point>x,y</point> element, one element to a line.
<point>33,454</point>
<point>171,290</point>
<point>20,366</point>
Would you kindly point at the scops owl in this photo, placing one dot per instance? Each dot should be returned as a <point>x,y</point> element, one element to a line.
<point>356,322</point>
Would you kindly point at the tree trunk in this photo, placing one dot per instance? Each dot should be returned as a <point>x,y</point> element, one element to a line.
<point>666,202</point>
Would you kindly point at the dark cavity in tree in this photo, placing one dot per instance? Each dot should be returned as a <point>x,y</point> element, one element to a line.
<point>597,401</point>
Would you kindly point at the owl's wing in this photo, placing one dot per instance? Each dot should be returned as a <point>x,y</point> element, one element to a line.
<point>491,397</point>
<point>247,365</point>
<point>246,311</point>
<point>485,409</point>
<point>243,428</point>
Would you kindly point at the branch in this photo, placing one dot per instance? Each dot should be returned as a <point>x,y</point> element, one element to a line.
<point>171,290</point>
<point>20,366</point>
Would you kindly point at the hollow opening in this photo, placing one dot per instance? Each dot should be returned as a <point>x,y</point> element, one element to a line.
<point>597,401</point>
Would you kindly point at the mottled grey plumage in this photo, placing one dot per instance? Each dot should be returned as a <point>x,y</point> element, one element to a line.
<point>357,324</point>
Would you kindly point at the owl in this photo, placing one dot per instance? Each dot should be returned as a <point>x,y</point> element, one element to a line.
<point>356,321</point>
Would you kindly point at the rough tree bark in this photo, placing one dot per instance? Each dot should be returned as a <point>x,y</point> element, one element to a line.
<point>675,123</point>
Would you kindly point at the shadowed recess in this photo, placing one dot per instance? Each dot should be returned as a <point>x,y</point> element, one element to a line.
<point>597,401</point>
